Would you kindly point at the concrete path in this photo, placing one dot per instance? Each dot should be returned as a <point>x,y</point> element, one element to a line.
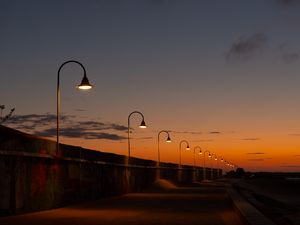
<point>170,206</point>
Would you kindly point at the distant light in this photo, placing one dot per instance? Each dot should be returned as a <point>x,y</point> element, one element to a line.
<point>85,84</point>
<point>143,125</point>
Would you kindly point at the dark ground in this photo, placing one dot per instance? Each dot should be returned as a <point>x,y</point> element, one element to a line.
<point>276,197</point>
<point>163,204</point>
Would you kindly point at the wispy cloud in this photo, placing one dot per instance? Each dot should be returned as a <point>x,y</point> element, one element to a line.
<point>255,153</point>
<point>294,134</point>
<point>250,139</point>
<point>288,54</point>
<point>245,48</point>
<point>79,133</point>
<point>287,2</point>
<point>291,166</point>
<point>42,125</point>
<point>186,132</point>
<point>256,159</point>
<point>215,132</point>
<point>202,140</point>
<point>290,57</point>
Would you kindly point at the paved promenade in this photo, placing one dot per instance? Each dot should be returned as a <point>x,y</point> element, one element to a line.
<point>205,205</point>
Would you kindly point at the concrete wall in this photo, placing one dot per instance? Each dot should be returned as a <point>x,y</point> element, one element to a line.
<point>32,179</point>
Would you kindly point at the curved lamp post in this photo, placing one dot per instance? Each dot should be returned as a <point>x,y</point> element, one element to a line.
<point>204,169</point>
<point>168,141</point>
<point>84,85</point>
<point>187,148</point>
<point>142,125</point>
<point>200,152</point>
<point>179,169</point>
<point>212,169</point>
<point>158,151</point>
<point>220,159</point>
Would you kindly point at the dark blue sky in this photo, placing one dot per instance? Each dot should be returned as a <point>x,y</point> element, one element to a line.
<point>231,66</point>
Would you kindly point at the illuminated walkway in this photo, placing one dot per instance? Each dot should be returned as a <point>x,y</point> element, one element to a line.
<point>181,206</point>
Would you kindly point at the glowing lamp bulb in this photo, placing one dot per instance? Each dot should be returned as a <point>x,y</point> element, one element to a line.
<point>85,84</point>
<point>143,125</point>
<point>168,139</point>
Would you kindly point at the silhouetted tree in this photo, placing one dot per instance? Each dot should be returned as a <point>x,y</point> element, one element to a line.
<point>7,116</point>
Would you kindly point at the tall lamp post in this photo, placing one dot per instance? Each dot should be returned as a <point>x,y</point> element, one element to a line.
<point>220,159</point>
<point>187,148</point>
<point>200,152</point>
<point>84,85</point>
<point>168,141</point>
<point>204,169</point>
<point>158,150</point>
<point>212,169</point>
<point>179,169</point>
<point>142,125</point>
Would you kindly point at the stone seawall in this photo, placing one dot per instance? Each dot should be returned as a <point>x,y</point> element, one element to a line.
<point>33,179</point>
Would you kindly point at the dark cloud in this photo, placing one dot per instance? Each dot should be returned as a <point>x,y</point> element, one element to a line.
<point>194,132</point>
<point>42,125</point>
<point>255,153</point>
<point>246,48</point>
<point>186,132</point>
<point>288,53</point>
<point>203,140</point>
<point>80,110</point>
<point>119,127</point>
<point>256,159</point>
<point>290,57</point>
<point>79,133</point>
<point>250,139</point>
<point>287,2</point>
<point>143,138</point>
<point>292,166</point>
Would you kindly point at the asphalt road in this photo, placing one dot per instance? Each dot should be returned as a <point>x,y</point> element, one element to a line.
<point>181,206</point>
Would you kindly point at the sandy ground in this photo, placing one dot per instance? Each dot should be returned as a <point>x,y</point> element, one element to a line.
<point>165,204</point>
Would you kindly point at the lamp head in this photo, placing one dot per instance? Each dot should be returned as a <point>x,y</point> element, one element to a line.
<point>209,155</point>
<point>168,139</point>
<point>187,147</point>
<point>143,124</point>
<point>222,160</point>
<point>216,158</point>
<point>200,153</point>
<point>85,84</point>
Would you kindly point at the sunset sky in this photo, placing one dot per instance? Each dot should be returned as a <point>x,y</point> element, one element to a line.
<point>224,75</point>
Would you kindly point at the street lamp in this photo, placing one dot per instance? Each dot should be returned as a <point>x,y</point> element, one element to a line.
<point>158,151</point>
<point>204,169</point>
<point>212,170</point>
<point>187,148</point>
<point>168,141</point>
<point>84,85</point>
<point>142,125</point>
<point>220,159</point>
<point>200,152</point>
